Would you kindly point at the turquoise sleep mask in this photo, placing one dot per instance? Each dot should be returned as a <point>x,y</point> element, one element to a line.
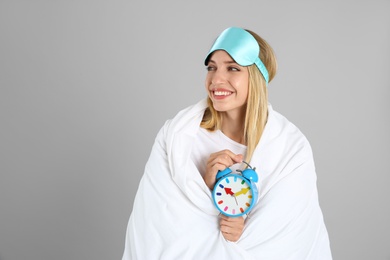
<point>241,46</point>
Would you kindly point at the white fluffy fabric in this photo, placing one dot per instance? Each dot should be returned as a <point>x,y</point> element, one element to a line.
<point>174,217</point>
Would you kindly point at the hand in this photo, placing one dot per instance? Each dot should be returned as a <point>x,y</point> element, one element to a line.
<point>231,228</point>
<point>219,161</point>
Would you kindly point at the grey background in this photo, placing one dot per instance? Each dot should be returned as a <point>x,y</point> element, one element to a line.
<point>86,85</point>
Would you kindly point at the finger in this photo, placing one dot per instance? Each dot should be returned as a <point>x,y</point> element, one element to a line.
<point>230,234</point>
<point>231,237</point>
<point>237,224</point>
<point>237,158</point>
<point>221,160</point>
<point>211,173</point>
<point>226,229</point>
<point>218,164</point>
<point>229,219</point>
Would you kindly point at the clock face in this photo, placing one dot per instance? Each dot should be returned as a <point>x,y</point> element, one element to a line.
<point>233,195</point>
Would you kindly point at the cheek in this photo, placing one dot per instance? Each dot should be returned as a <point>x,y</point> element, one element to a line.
<point>245,85</point>
<point>242,87</point>
<point>207,83</point>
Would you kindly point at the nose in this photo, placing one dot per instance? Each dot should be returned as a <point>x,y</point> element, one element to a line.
<point>218,77</point>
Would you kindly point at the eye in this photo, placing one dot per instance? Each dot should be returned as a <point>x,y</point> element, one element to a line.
<point>233,69</point>
<point>210,68</point>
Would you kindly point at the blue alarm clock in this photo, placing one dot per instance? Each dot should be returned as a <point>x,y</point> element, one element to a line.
<point>235,194</point>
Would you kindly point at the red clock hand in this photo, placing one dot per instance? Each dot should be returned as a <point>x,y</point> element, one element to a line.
<point>229,191</point>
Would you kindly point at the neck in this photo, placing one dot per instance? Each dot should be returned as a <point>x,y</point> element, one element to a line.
<point>233,125</point>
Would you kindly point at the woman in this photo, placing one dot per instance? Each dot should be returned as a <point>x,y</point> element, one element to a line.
<point>173,215</point>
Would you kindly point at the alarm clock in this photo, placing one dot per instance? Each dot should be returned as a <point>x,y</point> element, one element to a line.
<point>235,194</point>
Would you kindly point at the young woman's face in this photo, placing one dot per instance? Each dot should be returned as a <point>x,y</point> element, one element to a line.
<point>227,83</point>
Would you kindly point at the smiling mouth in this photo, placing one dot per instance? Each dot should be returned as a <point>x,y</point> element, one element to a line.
<point>222,93</point>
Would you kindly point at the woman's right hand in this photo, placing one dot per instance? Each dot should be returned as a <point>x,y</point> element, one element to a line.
<point>219,161</point>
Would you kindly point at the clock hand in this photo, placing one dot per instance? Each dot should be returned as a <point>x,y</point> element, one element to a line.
<point>229,191</point>
<point>242,191</point>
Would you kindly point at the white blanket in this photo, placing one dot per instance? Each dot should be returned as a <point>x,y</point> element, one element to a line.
<point>174,217</point>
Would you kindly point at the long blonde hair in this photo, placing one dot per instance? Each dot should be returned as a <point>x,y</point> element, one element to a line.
<point>257,103</point>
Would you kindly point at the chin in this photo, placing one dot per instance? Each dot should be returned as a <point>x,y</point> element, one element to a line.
<point>220,107</point>
<point>229,108</point>
<point>224,108</point>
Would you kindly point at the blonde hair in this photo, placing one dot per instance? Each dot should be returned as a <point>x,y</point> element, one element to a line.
<point>257,103</point>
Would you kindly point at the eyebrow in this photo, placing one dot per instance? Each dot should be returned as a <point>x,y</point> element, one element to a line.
<point>227,62</point>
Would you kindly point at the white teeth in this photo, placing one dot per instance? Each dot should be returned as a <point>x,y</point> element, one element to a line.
<point>221,93</point>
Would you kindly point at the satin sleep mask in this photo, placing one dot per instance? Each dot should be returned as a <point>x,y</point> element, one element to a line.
<point>241,46</point>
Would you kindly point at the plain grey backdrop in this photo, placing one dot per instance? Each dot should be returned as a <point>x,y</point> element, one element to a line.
<point>85,86</point>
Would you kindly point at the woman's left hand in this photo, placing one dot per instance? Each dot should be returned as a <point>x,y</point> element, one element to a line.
<point>231,228</point>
